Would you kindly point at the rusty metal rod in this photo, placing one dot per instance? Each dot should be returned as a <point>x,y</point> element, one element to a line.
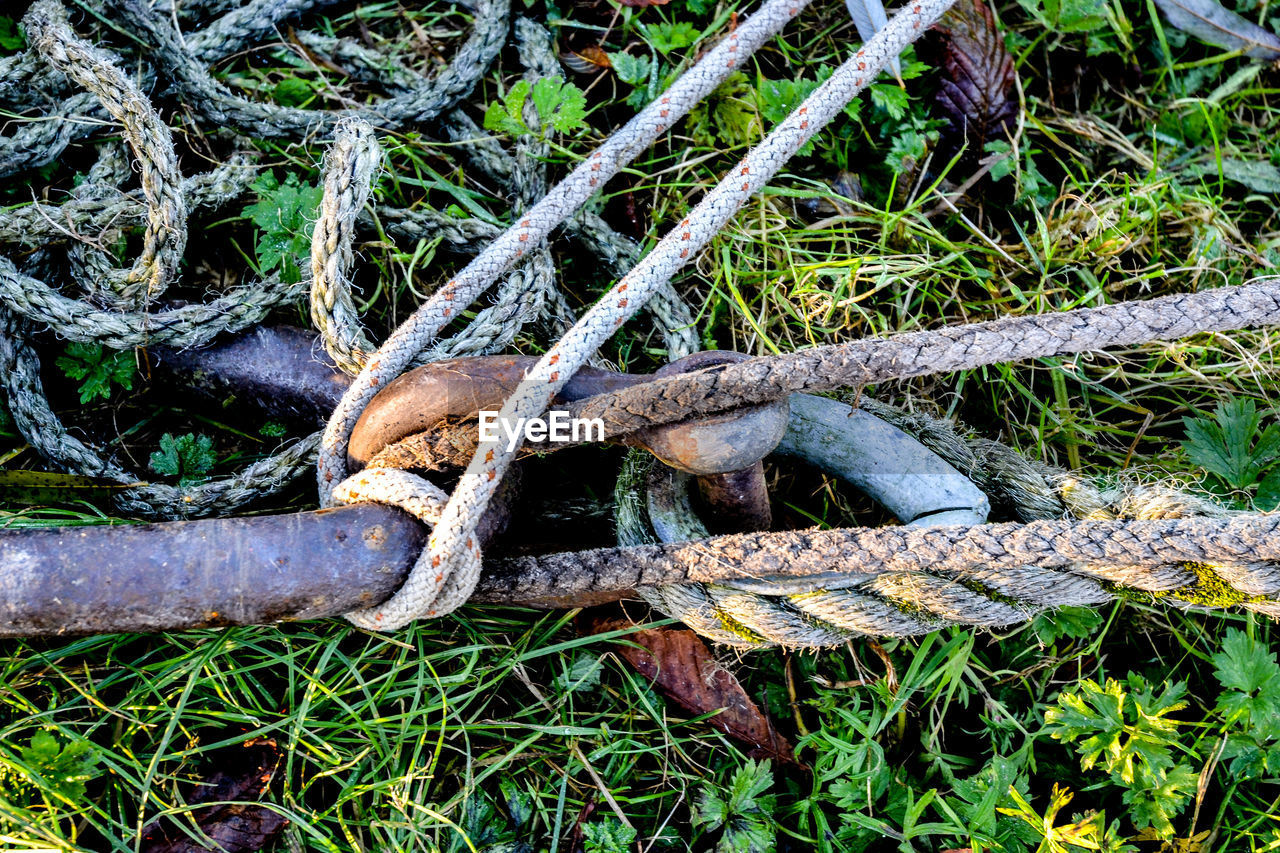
<point>281,371</point>
<point>199,574</point>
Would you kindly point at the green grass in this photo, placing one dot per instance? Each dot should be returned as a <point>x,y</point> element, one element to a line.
<point>503,729</point>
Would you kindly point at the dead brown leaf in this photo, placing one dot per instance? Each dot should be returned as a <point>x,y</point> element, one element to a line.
<point>576,841</point>
<point>678,662</point>
<point>596,55</point>
<point>238,773</point>
<point>978,76</point>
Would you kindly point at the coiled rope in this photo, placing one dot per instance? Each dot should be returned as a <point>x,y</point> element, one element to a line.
<point>116,311</point>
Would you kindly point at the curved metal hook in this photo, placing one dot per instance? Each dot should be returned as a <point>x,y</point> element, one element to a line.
<point>898,472</point>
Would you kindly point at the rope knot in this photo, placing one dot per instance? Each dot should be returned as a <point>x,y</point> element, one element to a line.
<point>433,588</point>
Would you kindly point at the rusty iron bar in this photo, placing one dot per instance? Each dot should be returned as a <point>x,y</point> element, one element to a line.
<point>200,574</point>
<point>216,573</point>
<point>281,371</point>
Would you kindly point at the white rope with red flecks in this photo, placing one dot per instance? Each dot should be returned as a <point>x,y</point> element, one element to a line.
<point>451,551</point>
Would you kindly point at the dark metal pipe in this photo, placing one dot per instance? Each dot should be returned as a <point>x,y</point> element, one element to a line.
<point>281,371</point>
<point>215,573</point>
<point>199,574</point>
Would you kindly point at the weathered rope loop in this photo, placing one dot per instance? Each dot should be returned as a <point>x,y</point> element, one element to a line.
<point>94,207</point>
<point>166,232</point>
<point>245,24</point>
<point>192,80</point>
<point>349,166</point>
<point>184,326</point>
<point>431,590</point>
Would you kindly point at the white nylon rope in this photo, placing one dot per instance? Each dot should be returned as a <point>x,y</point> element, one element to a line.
<point>451,547</point>
<point>416,333</point>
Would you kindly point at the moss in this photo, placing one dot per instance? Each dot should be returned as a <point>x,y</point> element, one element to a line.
<point>733,626</point>
<point>1209,590</point>
<point>1128,593</point>
<point>990,592</point>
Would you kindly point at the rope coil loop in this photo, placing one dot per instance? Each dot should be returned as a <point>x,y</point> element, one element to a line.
<point>184,63</point>
<point>431,590</point>
<point>349,166</point>
<point>165,237</point>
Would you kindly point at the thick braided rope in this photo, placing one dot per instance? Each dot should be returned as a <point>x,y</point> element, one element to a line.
<point>219,106</point>
<point>667,399</point>
<point>808,613</point>
<point>94,208</point>
<point>349,167</point>
<point>184,326</point>
<point>166,232</point>
<point>912,354</point>
<point>246,24</point>
<point>617,253</point>
<point>1242,550</point>
<point>804,613</point>
<point>542,382</point>
<point>348,175</point>
<point>562,201</point>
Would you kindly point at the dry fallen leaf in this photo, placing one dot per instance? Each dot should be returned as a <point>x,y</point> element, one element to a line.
<point>978,76</point>
<point>593,57</point>
<point>1209,21</point>
<point>240,773</point>
<point>678,662</point>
